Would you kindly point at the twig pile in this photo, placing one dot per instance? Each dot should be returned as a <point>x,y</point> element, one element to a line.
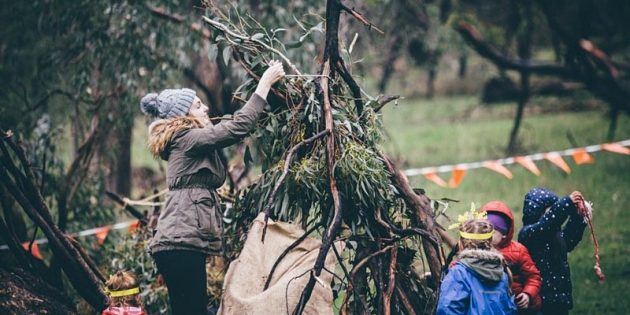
<point>322,167</point>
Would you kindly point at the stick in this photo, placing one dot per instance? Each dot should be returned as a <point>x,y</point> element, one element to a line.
<point>285,252</point>
<point>387,297</point>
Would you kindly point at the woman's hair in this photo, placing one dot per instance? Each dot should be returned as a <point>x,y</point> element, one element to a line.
<point>123,280</point>
<point>476,226</point>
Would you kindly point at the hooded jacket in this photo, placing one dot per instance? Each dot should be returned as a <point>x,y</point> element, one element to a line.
<point>548,242</point>
<point>525,274</point>
<point>476,284</point>
<point>191,218</point>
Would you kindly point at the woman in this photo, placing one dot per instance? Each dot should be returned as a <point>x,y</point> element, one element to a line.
<point>189,227</point>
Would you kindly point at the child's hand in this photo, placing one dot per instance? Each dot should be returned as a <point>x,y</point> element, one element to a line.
<point>576,197</point>
<point>522,300</point>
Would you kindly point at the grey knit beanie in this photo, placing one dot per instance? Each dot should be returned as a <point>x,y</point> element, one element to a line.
<point>169,103</point>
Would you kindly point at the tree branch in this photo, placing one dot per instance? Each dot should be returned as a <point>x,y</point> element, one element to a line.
<point>285,252</point>
<point>474,38</point>
<point>176,18</point>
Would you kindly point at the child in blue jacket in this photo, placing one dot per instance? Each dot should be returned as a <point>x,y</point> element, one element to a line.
<point>549,242</point>
<point>478,282</point>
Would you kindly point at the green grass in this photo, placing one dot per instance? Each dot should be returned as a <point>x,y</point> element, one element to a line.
<point>453,130</point>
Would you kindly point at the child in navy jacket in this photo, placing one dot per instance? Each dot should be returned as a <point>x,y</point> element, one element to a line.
<point>549,242</point>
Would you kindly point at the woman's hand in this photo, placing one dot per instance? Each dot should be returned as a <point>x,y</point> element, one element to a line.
<point>274,73</point>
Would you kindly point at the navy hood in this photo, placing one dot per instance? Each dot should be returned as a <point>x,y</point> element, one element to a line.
<point>536,201</point>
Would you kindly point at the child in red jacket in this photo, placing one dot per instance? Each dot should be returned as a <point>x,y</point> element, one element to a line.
<point>526,277</point>
<point>124,298</point>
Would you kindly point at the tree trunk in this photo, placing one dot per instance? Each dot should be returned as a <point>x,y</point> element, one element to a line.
<point>388,65</point>
<point>524,52</point>
<point>431,81</point>
<point>612,127</point>
<point>463,65</point>
<point>120,163</point>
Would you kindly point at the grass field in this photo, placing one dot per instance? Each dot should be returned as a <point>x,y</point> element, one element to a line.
<point>452,130</point>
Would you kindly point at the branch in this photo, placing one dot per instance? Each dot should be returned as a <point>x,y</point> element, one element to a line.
<point>405,300</point>
<point>285,252</point>
<point>358,267</point>
<point>422,218</point>
<point>333,228</point>
<point>285,172</point>
<point>361,18</point>
<point>160,12</point>
<point>387,297</point>
<point>132,210</point>
<point>227,31</point>
<point>74,265</point>
<point>384,100</point>
<point>474,38</point>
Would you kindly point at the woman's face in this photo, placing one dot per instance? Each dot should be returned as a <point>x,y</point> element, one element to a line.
<point>198,109</point>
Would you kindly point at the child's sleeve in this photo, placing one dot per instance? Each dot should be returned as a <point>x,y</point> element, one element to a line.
<point>531,274</point>
<point>454,293</point>
<point>226,132</point>
<point>573,230</point>
<point>550,222</point>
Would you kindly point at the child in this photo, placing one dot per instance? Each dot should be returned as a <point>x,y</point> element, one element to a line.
<point>525,276</point>
<point>548,243</point>
<point>477,283</point>
<point>123,291</point>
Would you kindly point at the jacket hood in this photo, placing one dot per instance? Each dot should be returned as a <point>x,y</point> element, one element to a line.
<point>487,264</point>
<point>536,201</point>
<point>161,132</point>
<point>500,207</point>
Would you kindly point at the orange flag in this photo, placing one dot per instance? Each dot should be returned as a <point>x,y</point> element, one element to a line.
<point>616,148</point>
<point>134,226</point>
<point>580,156</point>
<point>557,160</point>
<point>499,168</point>
<point>432,176</point>
<point>527,163</point>
<point>34,250</point>
<point>456,179</point>
<point>102,233</point>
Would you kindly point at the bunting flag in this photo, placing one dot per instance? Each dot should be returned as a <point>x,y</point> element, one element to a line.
<point>34,250</point>
<point>133,227</point>
<point>102,233</point>
<point>499,168</point>
<point>456,179</point>
<point>616,148</point>
<point>556,159</point>
<point>526,162</point>
<point>435,178</point>
<point>580,155</point>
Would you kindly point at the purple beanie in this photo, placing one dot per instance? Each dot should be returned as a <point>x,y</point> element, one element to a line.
<point>499,221</point>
